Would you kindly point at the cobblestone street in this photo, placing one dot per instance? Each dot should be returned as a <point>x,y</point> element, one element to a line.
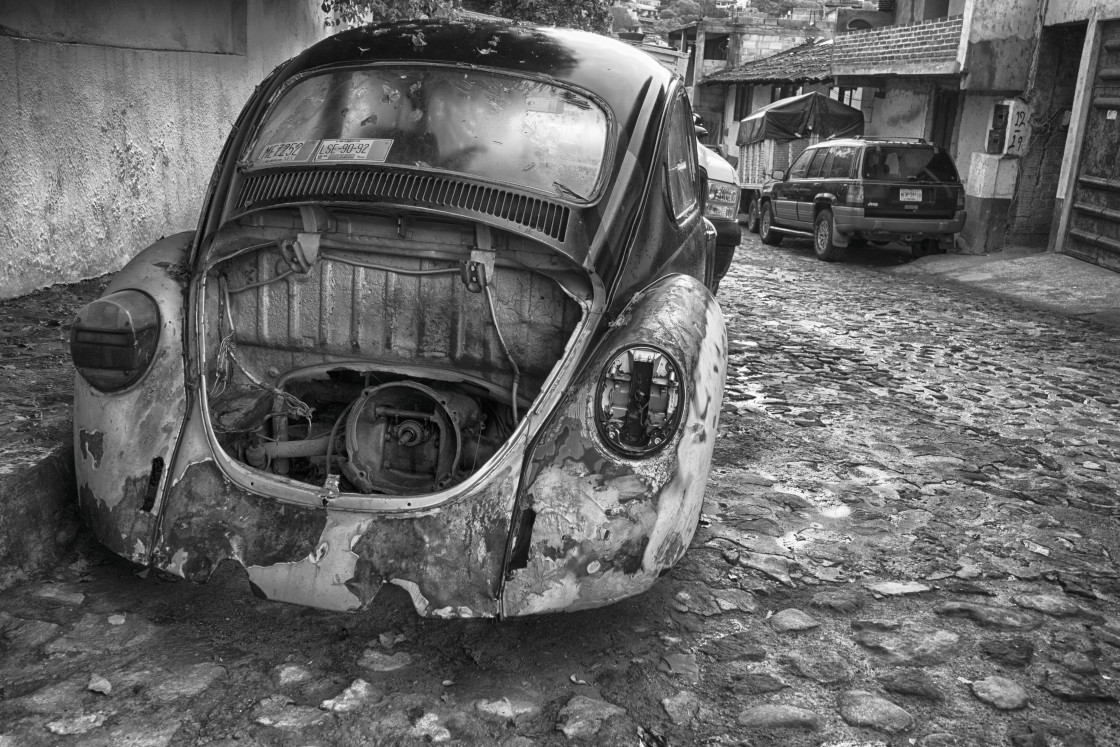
<point>909,539</point>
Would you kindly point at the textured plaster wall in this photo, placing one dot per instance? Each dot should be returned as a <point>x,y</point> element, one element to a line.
<point>195,26</point>
<point>972,134</point>
<point>1069,11</point>
<point>1001,41</point>
<point>103,149</point>
<point>903,112</point>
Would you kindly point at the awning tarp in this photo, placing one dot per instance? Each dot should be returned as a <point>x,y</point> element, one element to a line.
<point>801,116</point>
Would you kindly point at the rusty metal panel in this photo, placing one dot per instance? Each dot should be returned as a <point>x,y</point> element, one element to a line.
<point>599,526</point>
<point>342,311</point>
<point>448,559</point>
<point>119,436</point>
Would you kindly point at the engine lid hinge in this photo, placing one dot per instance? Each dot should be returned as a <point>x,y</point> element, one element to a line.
<point>479,269</point>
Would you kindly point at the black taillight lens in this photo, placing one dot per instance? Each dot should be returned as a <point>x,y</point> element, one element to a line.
<point>638,405</point>
<point>114,340</point>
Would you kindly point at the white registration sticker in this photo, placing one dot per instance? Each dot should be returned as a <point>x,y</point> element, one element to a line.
<point>354,150</point>
<point>910,195</point>
<point>284,152</point>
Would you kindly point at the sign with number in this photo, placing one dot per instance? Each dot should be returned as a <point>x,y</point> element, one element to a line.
<point>1018,128</point>
<point>297,150</point>
<point>358,149</point>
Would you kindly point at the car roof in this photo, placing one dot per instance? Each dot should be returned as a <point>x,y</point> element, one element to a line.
<point>615,71</point>
<point>916,142</point>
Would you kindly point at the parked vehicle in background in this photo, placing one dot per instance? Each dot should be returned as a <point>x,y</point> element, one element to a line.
<point>774,136</point>
<point>721,208</point>
<point>866,189</point>
<point>446,323</point>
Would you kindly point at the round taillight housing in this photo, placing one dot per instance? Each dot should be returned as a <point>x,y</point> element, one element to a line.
<point>638,402</point>
<point>114,339</point>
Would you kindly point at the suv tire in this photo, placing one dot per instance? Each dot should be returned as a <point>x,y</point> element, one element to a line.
<point>764,223</point>
<point>822,238</point>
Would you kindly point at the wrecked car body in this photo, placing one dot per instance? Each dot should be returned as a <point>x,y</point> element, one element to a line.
<point>446,323</point>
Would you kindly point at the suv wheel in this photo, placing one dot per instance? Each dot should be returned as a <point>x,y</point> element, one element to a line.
<point>822,238</point>
<point>765,222</point>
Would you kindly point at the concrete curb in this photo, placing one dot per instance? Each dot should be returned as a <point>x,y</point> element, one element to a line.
<point>38,515</point>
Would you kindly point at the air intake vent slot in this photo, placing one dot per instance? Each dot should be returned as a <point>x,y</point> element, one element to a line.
<point>547,217</point>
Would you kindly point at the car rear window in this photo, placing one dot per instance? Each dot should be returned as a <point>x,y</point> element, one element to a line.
<point>500,127</point>
<point>913,163</point>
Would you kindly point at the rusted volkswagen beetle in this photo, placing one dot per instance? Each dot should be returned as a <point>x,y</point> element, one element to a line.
<point>444,324</point>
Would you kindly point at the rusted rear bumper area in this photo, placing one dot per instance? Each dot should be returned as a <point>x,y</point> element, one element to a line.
<point>572,525</point>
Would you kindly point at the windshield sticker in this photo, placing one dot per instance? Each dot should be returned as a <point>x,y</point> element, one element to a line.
<point>298,150</point>
<point>376,150</point>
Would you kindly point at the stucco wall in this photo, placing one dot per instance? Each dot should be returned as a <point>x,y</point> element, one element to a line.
<point>903,111</point>
<point>1001,43</point>
<point>972,135</point>
<point>108,144</point>
<point>1069,11</point>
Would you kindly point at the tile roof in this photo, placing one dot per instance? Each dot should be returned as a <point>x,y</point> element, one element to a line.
<point>810,62</point>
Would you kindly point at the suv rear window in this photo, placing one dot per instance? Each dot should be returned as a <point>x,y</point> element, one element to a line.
<point>915,163</point>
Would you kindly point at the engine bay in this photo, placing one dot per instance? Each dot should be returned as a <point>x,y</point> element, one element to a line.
<point>375,355</point>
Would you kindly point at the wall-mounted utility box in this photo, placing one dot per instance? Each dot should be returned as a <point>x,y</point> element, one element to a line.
<point>1010,129</point>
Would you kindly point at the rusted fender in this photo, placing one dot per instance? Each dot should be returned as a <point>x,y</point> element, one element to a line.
<point>599,527</point>
<point>118,436</point>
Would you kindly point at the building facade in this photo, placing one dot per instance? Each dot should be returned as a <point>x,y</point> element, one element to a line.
<point>715,45</point>
<point>1008,86</point>
<point>1079,62</point>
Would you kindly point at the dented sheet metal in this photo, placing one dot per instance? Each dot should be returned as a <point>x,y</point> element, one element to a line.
<point>119,438</point>
<point>605,527</point>
<point>449,559</point>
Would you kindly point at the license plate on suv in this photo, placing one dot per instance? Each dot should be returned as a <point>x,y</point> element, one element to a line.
<point>910,195</point>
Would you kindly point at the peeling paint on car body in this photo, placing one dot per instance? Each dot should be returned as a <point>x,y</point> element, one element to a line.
<point>116,436</point>
<point>606,526</point>
<point>551,518</point>
<point>449,559</point>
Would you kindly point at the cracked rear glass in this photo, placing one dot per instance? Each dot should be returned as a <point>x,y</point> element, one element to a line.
<point>504,128</point>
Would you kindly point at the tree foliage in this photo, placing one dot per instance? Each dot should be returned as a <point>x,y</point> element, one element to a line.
<point>775,7</point>
<point>678,13</point>
<point>623,20</point>
<point>590,15</point>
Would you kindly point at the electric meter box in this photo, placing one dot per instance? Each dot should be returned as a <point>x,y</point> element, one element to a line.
<point>1010,130</point>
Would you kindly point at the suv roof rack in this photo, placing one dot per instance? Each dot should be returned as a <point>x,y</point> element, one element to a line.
<point>890,139</point>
